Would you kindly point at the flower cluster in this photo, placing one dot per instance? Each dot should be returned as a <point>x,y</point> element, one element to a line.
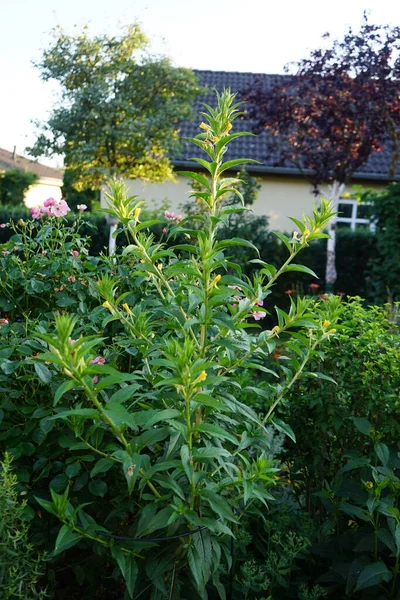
<point>171,216</point>
<point>51,207</point>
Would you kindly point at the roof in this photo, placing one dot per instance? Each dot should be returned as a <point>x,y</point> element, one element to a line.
<point>9,160</point>
<point>256,147</point>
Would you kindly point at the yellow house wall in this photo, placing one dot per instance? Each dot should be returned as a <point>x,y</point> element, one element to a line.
<point>278,198</point>
<point>43,189</point>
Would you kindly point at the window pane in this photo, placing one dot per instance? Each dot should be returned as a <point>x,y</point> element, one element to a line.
<point>364,211</point>
<point>340,225</point>
<point>345,210</point>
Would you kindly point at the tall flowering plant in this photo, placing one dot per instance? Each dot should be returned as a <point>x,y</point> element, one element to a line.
<point>157,399</point>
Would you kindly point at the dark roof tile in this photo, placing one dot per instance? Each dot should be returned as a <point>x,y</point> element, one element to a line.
<point>10,161</point>
<point>377,167</point>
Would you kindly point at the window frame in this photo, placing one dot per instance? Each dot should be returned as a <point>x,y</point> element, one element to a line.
<point>354,220</point>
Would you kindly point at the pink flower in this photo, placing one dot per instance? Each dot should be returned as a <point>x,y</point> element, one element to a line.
<point>36,212</point>
<point>72,342</point>
<point>72,278</point>
<point>314,286</point>
<point>164,230</point>
<point>234,305</point>
<point>257,315</point>
<point>341,294</point>
<point>169,215</point>
<point>2,225</point>
<point>61,209</point>
<point>49,202</point>
<point>99,360</point>
<point>95,379</point>
<point>260,302</point>
<point>81,207</point>
<point>178,218</point>
<point>4,321</point>
<point>75,253</point>
<point>289,292</point>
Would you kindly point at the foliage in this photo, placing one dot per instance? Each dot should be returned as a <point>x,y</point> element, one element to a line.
<point>340,106</point>
<point>364,360</point>
<point>13,185</point>
<point>130,386</point>
<point>365,490</point>
<point>385,268</point>
<point>91,198</point>
<point>20,566</point>
<point>119,108</point>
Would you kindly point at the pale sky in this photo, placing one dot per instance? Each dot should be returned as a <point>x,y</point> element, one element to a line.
<point>259,36</point>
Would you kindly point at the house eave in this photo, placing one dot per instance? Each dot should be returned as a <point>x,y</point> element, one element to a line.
<point>265,170</point>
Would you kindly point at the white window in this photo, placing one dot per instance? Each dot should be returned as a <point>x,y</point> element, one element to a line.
<point>352,215</point>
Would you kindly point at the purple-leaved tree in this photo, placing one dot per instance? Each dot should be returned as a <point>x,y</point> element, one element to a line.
<point>334,110</point>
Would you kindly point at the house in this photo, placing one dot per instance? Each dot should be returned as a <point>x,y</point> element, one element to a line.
<point>284,191</point>
<point>48,184</point>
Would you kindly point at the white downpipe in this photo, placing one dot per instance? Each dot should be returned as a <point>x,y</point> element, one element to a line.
<point>112,240</point>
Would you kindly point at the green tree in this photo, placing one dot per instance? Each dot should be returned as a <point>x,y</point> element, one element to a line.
<point>119,108</point>
<point>13,185</point>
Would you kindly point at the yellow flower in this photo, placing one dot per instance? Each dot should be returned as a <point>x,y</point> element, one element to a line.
<point>332,331</point>
<point>136,214</point>
<point>228,128</point>
<point>275,329</point>
<point>326,324</point>
<point>126,307</point>
<point>160,266</point>
<point>215,139</point>
<point>215,280</point>
<point>106,304</point>
<point>153,335</point>
<point>204,126</point>
<point>202,376</point>
<point>369,485</point>
<point>306,233</point>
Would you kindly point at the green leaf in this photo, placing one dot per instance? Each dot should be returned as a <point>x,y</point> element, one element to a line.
<point>102,466</point>
<point>186,461</point>
<point>216,431</point>
<point>353,511</point>
<point>363,425</point>
<point>66,539</point>
<point>373,575</point>
<point>199,454</point>
<point>98,487</point>
<point>284,428</point>
<point>382,452</point>
<point>127,566</point>
<point>43,372</point>
<point>125,393</point>
<point>88,413</point>
<point>301,269</point>
<point>62,389</point>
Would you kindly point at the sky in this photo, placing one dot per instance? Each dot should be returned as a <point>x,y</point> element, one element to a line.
<point>258,36</point>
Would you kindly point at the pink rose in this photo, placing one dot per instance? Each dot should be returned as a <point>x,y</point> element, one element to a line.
<point>257,315</point>
<point>75,253</point>
<point>81,207</point>
<point>169,215</point>
<point>99,360</point>
<point>36,212</point>
<point>60,209</point>
<point>49,202</point>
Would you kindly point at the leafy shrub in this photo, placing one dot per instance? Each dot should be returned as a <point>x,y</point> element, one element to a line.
<point>13,185</point>
<point>20,566</point>
<point>130,407</point>
<point>364,360</point>
<point>385,271</point>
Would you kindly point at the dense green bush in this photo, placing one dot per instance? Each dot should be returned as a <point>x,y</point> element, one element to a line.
<point>13,185</point>
<point>385,267</point>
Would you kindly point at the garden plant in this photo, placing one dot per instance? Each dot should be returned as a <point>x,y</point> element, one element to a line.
<point>126,395</point>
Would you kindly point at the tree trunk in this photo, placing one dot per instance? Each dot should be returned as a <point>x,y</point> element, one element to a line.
<point>335,191</point>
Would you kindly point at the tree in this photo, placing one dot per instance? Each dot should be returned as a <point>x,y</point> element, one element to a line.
<point>119,108</point>
<point>342,105</point>
<point>13,185</point>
